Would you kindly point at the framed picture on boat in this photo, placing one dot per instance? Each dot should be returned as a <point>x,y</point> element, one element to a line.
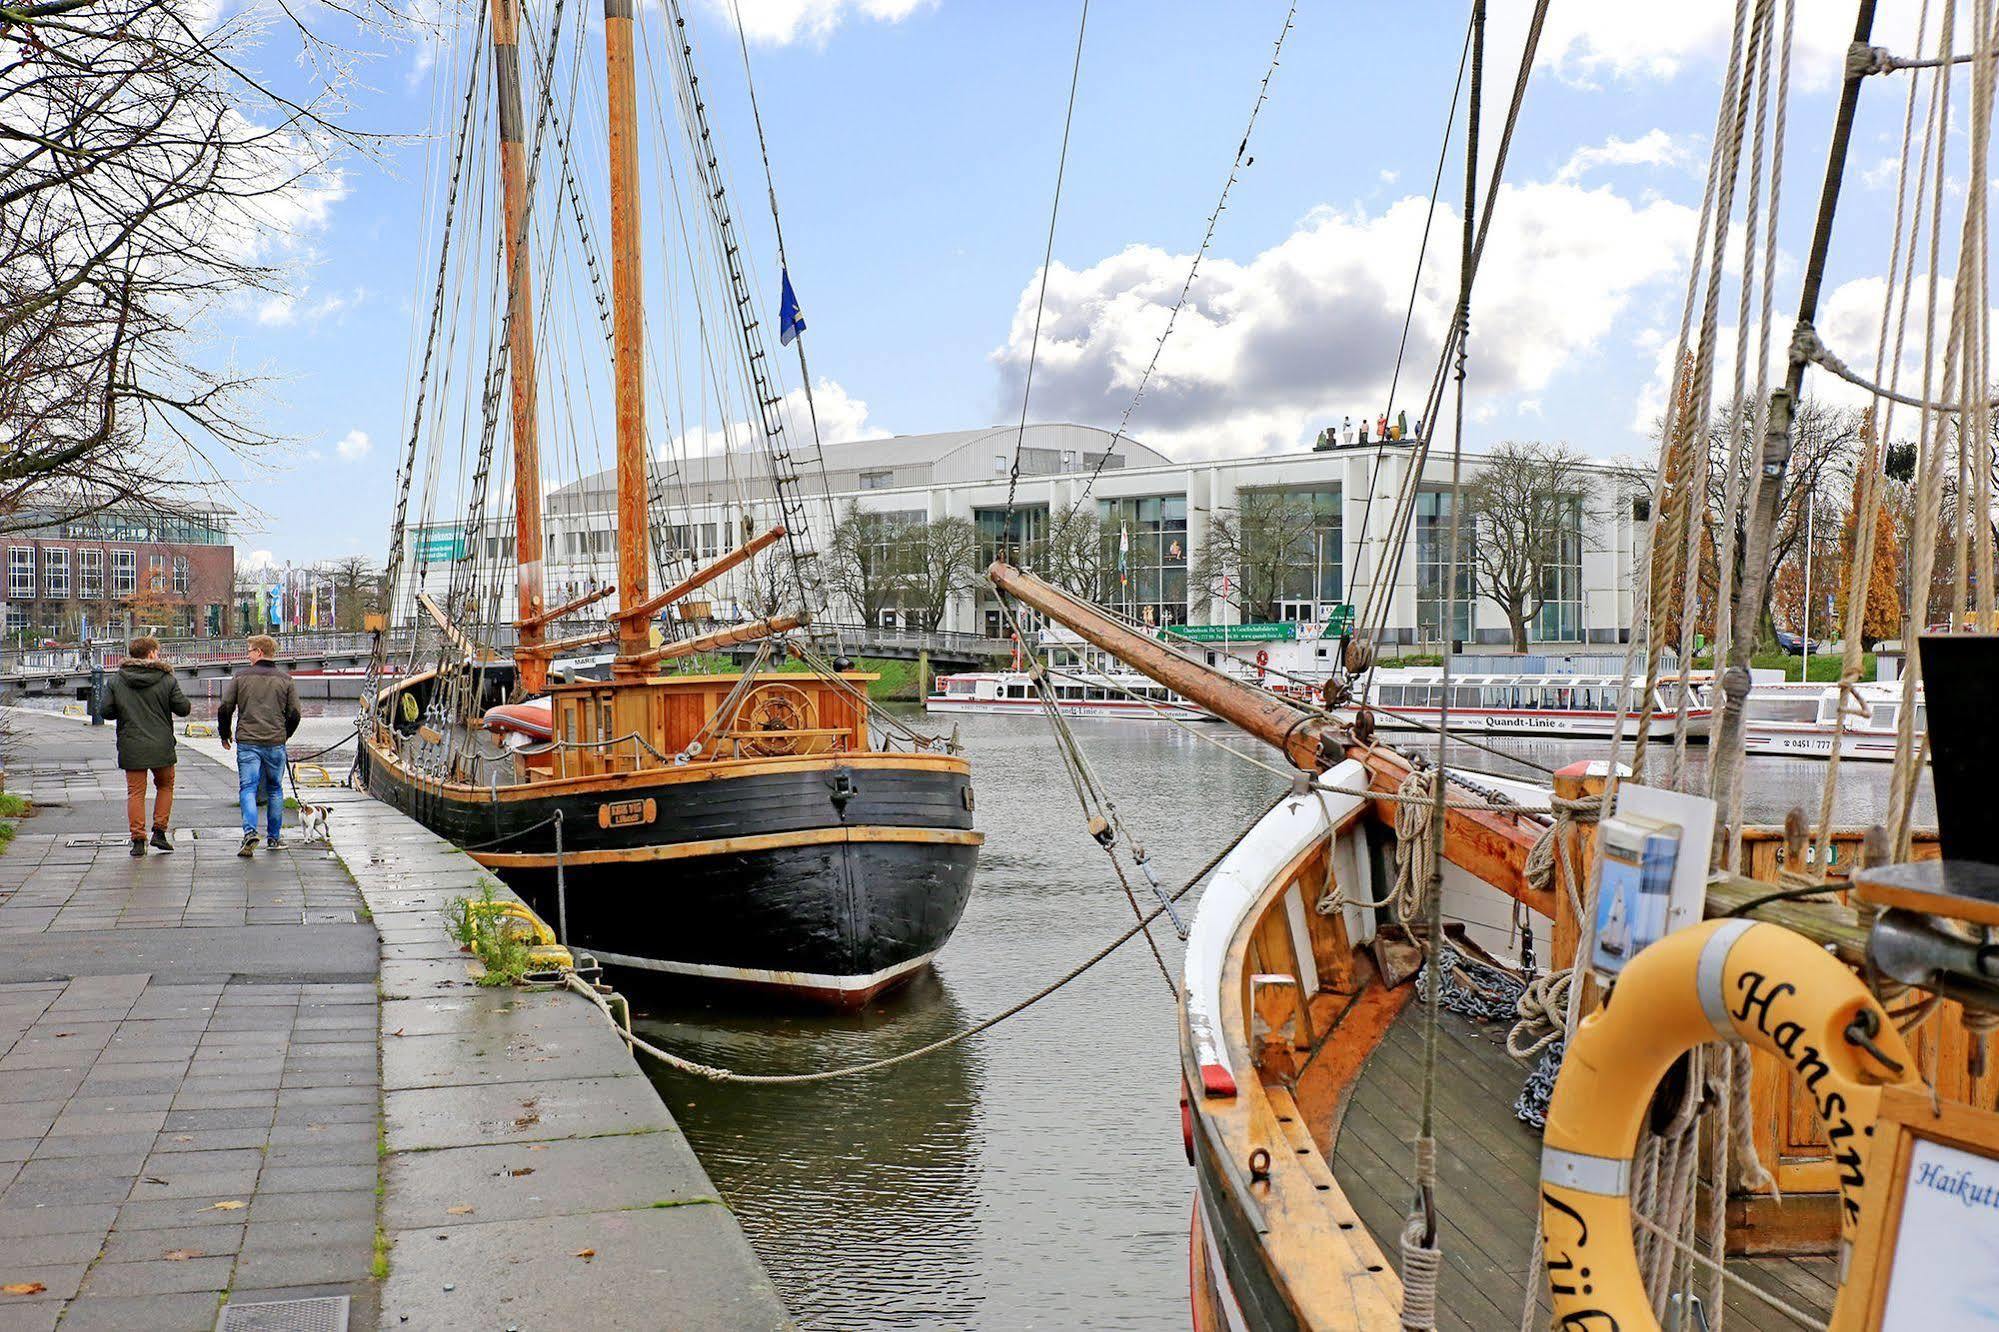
<point>1652,876</point>
<point>1929,1219</point>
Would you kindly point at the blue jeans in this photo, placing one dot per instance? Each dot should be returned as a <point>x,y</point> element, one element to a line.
<point>260,776</point>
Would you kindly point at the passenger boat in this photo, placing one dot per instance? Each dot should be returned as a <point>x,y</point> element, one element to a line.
<point>1579,706</point>
<point>769,829</point>
<point>1080,681</point>
<point>1803,721</point>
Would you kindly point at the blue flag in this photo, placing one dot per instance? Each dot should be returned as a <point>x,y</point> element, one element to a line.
<point>790,320</point>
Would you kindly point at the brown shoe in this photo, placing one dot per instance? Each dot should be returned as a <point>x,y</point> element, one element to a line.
<point>138,846</point>
<point>160,842</point>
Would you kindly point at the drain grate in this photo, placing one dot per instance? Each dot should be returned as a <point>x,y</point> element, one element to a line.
<point>326,1313</point>
<point>330,918</point>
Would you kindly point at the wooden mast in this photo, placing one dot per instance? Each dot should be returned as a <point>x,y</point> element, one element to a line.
<point>531,669</point>
<point>628,347</point>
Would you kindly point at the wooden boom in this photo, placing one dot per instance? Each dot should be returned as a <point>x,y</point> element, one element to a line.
<point>1311,742</point>
<point>707,573</point>
<point>720,638</point>
<point>452,633</point>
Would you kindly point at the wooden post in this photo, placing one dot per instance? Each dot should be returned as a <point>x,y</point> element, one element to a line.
<point>529,546</point>
<point>922,674</point>
<point>1579,850</point>
<point>627,304</point>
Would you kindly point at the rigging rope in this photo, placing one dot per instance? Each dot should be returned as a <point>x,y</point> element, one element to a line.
<point>1047,262</point>
<point>1236,166</point>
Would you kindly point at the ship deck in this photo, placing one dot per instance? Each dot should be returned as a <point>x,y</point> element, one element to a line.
<point>1489,1167</point>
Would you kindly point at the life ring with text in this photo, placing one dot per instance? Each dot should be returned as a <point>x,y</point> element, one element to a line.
<point>1730,980</point>
<point>1262,660</point>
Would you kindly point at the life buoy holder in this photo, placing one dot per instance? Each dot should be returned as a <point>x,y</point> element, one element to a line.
<point>1263,656</point>
<point>1731,980</point>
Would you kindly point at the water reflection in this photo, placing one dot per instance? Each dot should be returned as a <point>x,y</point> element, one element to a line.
<point>1031,1176</point>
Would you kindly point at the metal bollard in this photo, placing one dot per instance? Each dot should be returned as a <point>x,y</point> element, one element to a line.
<point>97,695</point>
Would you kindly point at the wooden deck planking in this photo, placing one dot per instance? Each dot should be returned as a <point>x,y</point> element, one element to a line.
<point>1488,1169</point>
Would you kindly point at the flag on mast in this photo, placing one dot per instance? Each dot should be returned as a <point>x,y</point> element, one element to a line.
<point>790,319</point>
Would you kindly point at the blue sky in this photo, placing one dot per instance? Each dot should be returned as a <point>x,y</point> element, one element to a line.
<point>915,148</point>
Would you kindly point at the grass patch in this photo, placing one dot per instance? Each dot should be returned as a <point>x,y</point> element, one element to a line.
<point>1824,669</point>
<point>13,806</point>
<point>379,1268</point>
<point>1413,659</point>
<point>483,926</point>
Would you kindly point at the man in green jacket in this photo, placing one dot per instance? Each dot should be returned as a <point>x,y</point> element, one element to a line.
<point>144,698</point>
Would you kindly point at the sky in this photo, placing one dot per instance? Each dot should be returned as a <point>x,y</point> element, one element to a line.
<point>915,146</point>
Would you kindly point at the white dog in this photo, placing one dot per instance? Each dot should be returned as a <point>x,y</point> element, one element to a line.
<point>313,819</point>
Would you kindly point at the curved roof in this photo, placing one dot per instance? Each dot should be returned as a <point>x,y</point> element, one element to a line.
<point>951,456</point>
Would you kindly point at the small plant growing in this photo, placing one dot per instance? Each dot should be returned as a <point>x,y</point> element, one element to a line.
<point>484,927</point>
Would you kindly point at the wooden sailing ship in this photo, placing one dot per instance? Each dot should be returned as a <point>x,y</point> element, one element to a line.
<point>745,827</point>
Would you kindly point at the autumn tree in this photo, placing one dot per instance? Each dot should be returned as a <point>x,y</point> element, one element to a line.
<point>1882,617</point>
<point>1248,556</point>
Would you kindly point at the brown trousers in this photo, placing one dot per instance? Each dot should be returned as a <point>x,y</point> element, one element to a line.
<point>135,798</point>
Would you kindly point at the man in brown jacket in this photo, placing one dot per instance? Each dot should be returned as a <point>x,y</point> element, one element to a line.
<point>260,706</point>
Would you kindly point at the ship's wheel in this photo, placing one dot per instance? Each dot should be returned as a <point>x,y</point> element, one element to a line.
<point>768,722</point>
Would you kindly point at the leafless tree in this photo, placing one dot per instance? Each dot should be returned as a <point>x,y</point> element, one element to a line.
<point>868,561</point>
<point>1527,502</point>
<point>943,562</point>
<point>1249,555</point>
<point>358,589</point>
<point>148,177</point>
<point>1073,556</point>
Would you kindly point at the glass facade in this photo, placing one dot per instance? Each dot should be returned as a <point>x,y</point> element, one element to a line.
<point>55,572</point>
<point>1561,617</point>
<point>1313,576</point>
<point>1433,542</point>
<point>1145,557</point>
<point>195,530</point>
<point>21,573</point>
<point>1020,540</point>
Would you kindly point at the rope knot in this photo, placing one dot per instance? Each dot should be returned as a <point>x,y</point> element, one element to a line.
<point>1862,60</point>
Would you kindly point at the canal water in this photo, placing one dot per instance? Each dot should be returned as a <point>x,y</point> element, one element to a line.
<point>1032,1176</point>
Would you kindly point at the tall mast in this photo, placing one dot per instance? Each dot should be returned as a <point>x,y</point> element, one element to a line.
<point>531,667</point>
<point>627,347</point>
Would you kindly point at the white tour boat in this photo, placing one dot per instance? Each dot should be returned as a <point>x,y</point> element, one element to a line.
<point>1411,698</point>
<point>1085,682</point>
<point>1802,720</point>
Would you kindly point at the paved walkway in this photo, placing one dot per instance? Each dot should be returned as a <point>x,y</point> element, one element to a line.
<point>200,1087</point>
<point>189,1088</point>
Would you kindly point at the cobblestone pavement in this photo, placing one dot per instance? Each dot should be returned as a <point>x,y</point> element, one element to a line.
<point>189,1071</point>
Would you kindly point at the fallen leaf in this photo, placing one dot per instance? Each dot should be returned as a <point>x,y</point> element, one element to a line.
<point>397,1032</point>
<point>233,1205</point>
<point>315,1128</point>
<point>182,1255</point>
<point>183,1137</point>
<point>524,1170</point>
<point>586,1254</point>
<point>23,1288</point>
<point>61,1034</point>
<point>525,1120</point>
<point>462,1209</point>
<point>539,1147</point>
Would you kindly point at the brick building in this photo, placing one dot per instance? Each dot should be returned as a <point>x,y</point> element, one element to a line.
<point>117,573</point>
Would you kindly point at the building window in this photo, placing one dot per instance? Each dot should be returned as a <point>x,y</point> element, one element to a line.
<point>877,480</point>
<point>1145,557</point>
<point>17,619</point>
<point>999,464</point>
<point>180,574</point>
<point>55,572</point>
<point>1313,575</point>
<point>1561,617</point>
<point>1020,538</point>
<point>90,574</point>
<point>156,573</point>
<point>1433,541</point>
<point>124,573</point>
<point>21,573</point>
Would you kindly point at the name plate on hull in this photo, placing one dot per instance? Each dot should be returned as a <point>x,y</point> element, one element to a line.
<point>627,813</point>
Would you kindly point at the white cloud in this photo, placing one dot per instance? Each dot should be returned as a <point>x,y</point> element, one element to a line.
<point>353,446</point>
<point>1654,148</point>
<point>258,559</point>
<point>779,22</point>
<point>1584,44</point>
<point>282,309</point>
<point>842,417</point>
<point>1270,349</point>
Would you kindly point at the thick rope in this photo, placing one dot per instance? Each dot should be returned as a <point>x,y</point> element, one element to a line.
<point>1421,1262</point>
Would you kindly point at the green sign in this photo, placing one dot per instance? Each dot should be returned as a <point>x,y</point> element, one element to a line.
<point>1340,622</point>
<point>1281,631</point>
<point>440,542</point>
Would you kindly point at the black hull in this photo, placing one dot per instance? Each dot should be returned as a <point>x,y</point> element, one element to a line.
<point>832,880</point>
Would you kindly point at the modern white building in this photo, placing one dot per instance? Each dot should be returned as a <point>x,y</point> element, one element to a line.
<point>1154,513</point>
